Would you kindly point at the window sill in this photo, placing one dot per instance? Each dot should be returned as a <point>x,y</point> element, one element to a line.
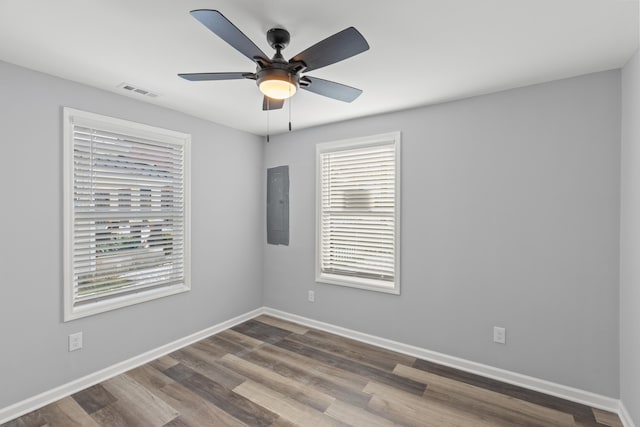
<point>123,301</point>
<point>359,283</point>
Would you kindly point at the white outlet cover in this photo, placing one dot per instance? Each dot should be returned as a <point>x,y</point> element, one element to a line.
<point>75,341</point>
<point>311,296</point>
<point>499,335</point>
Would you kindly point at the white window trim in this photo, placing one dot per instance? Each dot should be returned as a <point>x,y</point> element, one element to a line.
<point>358,282</point>
<point>72,116</point>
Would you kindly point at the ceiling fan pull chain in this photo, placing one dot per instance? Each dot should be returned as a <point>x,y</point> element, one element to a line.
<point>290,102</point>
<point>268,108</point>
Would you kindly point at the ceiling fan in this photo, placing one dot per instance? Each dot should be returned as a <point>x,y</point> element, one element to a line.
<point>277,78</point>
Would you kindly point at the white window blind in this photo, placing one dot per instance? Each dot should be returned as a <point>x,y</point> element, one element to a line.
<point>358,205</point>
<point>127,192</point>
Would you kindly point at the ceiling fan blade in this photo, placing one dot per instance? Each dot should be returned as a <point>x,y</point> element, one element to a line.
<point>223,28</point>
<point>342,45</point>
<point>198,77</point>
<point>329,89</point>
<point>272,104</point>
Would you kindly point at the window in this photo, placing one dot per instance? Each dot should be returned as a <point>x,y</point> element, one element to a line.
<point>358,213</point>
<point>126,208</point>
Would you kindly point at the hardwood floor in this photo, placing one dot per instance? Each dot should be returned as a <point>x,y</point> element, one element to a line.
<point>269,372</point>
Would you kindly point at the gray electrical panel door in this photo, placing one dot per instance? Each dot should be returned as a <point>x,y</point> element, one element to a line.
<point>278,205</point>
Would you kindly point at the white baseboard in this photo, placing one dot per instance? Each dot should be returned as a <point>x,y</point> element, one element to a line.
<point>624,416</point>
<point>42,399</point>
<point>531,383</point>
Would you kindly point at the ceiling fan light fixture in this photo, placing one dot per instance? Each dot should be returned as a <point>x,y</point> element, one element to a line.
<point>277,83</point>
<point>277,89</point>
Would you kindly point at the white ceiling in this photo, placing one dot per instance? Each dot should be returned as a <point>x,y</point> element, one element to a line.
<point>422,51</point>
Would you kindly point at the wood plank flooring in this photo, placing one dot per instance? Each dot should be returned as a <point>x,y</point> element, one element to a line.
<point>269,372</point>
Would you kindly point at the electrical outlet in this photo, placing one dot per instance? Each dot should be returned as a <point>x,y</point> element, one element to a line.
<point>311,296</point>
<point>499,335</point>
<point>75,341</point>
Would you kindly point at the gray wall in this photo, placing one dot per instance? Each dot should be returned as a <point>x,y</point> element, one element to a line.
<point>227,230</point>
<point>630,241</point>
<point>510,217</point>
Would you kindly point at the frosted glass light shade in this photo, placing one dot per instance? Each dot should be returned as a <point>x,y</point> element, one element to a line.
<point>277,89</point>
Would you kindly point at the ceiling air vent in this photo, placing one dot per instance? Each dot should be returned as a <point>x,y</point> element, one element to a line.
<point>139,91</point>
